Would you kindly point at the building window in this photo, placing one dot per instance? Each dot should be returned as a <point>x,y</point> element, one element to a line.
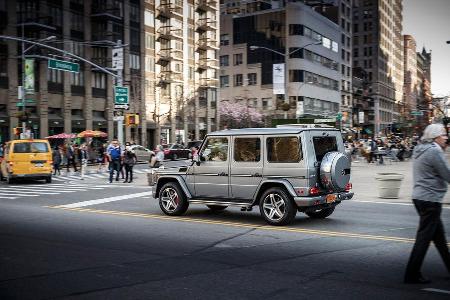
<point>134,12</point>
<point>238,80</point>
<point>134,62</point>
<point>295,75</point>
<point>224,39</point>
<point>295,29</point>
<point>224,60</point>
<point>149,40</point>
<point>149,64</point>
<point>77,78</point>
<point>98,80</point>
<point>149,18</point>
<point>3,60</point>
<point>56,15</point>
<point>76,22</point>
<point>237,59</point>
<point>54,76</point>
<point>224,81</point>
<point>266,103</point>
<point>251,78</point>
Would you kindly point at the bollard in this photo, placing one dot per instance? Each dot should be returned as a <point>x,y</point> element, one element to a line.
<point>389,185</point>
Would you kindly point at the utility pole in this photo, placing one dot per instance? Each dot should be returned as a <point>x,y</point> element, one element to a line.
<point>22,88</point>
<point>118,66</point>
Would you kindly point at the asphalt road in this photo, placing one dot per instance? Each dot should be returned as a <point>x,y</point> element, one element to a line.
<point>87,239</point>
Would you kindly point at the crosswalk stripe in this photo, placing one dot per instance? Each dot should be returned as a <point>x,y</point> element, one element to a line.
<point>49,189</point>
<point>3,197</point>
<point>27,192</point>
<point>19,195</point>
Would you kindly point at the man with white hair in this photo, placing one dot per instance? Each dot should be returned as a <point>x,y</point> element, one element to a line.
<point>431,175</point>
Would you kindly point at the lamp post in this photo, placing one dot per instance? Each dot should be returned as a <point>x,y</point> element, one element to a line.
<point>286,57</point>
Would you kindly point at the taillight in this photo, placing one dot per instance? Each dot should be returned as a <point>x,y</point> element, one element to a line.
<point>348,187</point>
<point>314,191</point>
<point>10,163</point>
<point>166,151</point>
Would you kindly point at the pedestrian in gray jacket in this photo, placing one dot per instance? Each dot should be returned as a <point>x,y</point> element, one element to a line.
<point>431,175</point>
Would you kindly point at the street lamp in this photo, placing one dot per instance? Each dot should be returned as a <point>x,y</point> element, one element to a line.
<point>286,56</point>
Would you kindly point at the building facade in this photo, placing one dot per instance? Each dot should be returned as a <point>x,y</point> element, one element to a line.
<point>167,46</point>
<point>378,50</point>
<point>411,83</point>
<point>294,35</point>
<point>424,99</point>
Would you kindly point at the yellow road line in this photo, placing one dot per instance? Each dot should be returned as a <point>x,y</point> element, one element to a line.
<point>244,225</point>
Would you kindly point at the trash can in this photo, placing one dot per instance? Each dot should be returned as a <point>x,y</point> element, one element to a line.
<point>389,184</point>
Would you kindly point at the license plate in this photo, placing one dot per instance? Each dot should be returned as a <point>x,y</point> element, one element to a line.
<point>331,198</point>
<point>39,165</point>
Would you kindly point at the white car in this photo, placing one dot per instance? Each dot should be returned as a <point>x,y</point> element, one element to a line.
<point>142,153</point>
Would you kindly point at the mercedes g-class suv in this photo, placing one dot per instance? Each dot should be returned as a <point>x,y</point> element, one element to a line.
<point>282,170</point>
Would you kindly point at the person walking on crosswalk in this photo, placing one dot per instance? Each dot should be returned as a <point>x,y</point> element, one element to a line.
<point>114,154</point>
<point>129,160</point>
<point>56,157</point>
<point>83,158</point>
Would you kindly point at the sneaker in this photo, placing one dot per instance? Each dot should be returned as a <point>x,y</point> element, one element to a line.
<point>125,181</point>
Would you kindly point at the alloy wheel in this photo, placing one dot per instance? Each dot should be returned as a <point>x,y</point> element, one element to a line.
<point>274,206</point>
<point>170,199</point>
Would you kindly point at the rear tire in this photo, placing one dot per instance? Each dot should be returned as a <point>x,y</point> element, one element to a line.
<point>174,157</point>
<point>9,180</point>
<point>277,207</point>
<point>172,200</point>
<point>216,207</point>
<point>321,214</point>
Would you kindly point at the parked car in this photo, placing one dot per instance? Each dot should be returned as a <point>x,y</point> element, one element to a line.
<point>142,153</point>
<point>175,151</point>
<point>281,170</point>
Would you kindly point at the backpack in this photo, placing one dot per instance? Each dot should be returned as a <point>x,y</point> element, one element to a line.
<point>115,153</point>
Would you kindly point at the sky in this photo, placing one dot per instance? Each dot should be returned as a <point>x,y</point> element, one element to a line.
<point>428,21</point>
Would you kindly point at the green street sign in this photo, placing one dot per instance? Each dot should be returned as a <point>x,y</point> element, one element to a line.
<point>120,96</point>
<point>339,116</point>
<point>417,113</point>
<point>63,65</point>
<point>20,103</point>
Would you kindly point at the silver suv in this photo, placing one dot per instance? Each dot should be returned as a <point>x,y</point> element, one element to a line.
<point>282,170</point>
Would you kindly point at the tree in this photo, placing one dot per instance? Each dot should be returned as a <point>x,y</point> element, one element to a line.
<point>237,115</point>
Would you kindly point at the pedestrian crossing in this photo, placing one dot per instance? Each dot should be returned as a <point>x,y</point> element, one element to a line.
<point>92,176</point>
<point>36,190</point>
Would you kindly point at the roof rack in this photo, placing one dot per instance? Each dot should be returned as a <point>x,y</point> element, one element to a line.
<point>305,125</point>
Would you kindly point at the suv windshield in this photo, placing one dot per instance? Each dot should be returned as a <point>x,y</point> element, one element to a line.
<point>324,144</point>
<point>30,147</point>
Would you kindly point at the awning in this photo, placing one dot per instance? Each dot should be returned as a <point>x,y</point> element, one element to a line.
<point>55,117</point>
<point>77,118</point>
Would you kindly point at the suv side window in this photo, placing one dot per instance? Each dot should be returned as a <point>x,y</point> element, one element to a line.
<point>323,145</point>
<point>284,149</point>
<point>215,149</point>
<point>247,149</point>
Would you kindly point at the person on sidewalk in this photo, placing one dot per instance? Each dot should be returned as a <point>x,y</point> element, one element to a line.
<point>70,154</point>
<point>431,176</point>
<point>129,160</point>
<point>56,157</point>
<point>158,158</point>
<point>114,154</point>
<point>83,158</point>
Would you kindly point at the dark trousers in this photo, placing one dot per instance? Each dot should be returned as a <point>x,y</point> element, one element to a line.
<point>71,161</point>
<point>114,165</point>
<point>430,229</point>
<point>129,173</point>
<point>57,168</point>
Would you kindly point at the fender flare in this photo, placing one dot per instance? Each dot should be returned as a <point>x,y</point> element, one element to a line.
<point>283,182</point>
<point>170,178</point>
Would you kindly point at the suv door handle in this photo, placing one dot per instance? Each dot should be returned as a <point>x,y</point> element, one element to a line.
<point>222,174</point>
<point>257,175</point>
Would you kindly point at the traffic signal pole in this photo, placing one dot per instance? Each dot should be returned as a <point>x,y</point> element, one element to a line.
<point>119,82</point>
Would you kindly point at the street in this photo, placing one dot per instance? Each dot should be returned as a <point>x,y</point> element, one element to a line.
<point>76,239</point>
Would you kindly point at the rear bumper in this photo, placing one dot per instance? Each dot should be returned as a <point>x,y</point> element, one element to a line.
<point>322,199</point>
<point>36,176</point>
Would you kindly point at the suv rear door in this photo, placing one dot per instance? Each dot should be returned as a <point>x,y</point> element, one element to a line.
<point>211,177</point>
<point>246,166</point>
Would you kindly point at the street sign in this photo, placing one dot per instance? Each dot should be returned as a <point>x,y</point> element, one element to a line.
<point>118,118</point>
<point>63,65</point>
<point>20,103</point>
<point>324,120</point>
<point>117,58</point>
<point>417,113</point>
<point>121,97</point>
<point>118,115</point>
<point>339,116</point>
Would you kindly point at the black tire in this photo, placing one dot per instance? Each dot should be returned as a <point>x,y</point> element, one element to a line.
<point>48,179</point>
<point>172,200</point>
<point>286,208</point>
<point>9,180</point>
<point>174,156</point>
<point>216,207</point>
<point>321,214</point>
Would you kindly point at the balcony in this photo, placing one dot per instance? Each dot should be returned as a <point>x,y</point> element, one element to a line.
<point>204,63</point>
<point>167,55</point>
<point>206,24</point>
<point>206,5</point>
<point>103,11</point>
<point>169,33</point>
<point>204,83</point>
<point>206,44</point>
<point>168,9</point>
<point>168,77</point>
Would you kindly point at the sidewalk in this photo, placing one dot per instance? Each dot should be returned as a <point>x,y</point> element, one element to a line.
<point>365,186</point>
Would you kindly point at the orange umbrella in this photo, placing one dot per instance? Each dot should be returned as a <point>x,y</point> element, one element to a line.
<point>92,133</point>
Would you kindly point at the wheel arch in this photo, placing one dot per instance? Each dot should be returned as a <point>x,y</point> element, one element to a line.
<point>264,186</point>
<point>165,179</point>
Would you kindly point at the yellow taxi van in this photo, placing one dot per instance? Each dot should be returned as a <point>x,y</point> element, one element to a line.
<point>30,159</point>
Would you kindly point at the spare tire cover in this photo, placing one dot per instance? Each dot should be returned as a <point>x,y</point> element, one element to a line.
<point>335,171</point>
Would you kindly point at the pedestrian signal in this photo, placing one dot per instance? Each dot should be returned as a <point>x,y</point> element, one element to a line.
<point>132,119</point>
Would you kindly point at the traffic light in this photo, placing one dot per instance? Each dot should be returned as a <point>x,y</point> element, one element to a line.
<point>131,119</point>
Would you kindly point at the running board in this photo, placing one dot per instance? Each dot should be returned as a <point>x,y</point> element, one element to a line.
<point>221,203</point>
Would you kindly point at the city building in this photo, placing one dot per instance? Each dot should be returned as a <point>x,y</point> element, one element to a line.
<point>257,41</point>
<point>410,85</point>
<point>170,66</point>
<point>425,97</point>
<point>341,12</point>
<point>378,49</point>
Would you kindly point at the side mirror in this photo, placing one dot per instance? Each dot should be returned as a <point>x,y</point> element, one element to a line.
<point>196,159</point>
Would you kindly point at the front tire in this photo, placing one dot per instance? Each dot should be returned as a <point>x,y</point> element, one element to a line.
<point>174,157</point>
<point>321,214</point>
<point>172,200</point>
<point>216,207</point>
<point>9,180</point>
<point>277,207</point>
<point>48,179</point>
